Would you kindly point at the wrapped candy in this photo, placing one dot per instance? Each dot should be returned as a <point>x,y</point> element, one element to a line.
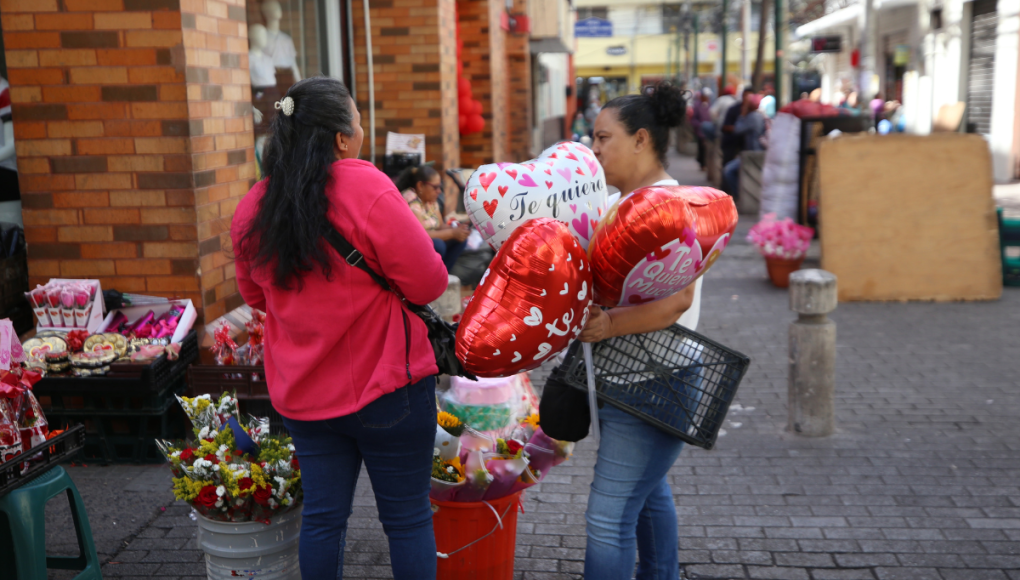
<point>76,340</point>
<point>82,306</point>
<point>256,329</point>
<point>67,307</point>
<point>224,348</point>
<point>53,308</point>
<point>166,325</point>
<point>118,323</point>
<point>37,298</point>
<point>141,328</point>
<point>10,435</point>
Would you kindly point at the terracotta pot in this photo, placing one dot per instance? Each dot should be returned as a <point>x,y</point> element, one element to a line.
<point>780,270</point>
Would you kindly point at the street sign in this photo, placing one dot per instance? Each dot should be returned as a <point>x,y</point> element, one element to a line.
<point>616,50</point>
<point>593,28</point>
<point>826,44</point>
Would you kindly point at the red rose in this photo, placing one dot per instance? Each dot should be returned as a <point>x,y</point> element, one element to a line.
<point>212,458</point>
<point>294,463</point>
<point>187,454</point>
<point>244,484</point>
<point>514,446</point>
<point>262,495</point>
<point>238,452</point>
<point>207,497</point>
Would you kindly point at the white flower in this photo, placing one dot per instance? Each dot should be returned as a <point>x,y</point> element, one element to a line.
<point>220,491</point>
<point>219,503</point>
<point>435,452</point>
<point>216,467</point>
<point>204,433</point>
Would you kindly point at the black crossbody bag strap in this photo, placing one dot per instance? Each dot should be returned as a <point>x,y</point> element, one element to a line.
<point>352,256</point>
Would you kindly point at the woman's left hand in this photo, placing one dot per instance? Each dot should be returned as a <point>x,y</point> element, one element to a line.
<point>599,326</point>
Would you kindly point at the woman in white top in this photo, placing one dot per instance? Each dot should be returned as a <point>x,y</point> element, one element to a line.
<point>630,507</point>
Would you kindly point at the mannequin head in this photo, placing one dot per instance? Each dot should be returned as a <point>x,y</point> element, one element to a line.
<point>257,37</point>
<point>272,12</point>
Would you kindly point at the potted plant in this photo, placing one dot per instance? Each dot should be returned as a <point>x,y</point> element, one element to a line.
<point>783,244</point>
<point>245,486</point>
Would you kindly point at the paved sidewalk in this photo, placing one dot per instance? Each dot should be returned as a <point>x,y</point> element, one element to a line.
<point>920,481</point>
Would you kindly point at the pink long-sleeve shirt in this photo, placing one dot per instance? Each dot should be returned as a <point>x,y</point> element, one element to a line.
<point>337,345</point>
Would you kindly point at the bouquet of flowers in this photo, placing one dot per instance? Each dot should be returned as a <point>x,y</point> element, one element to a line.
<point>235,471</point>
<point>780,239</point>
<point>470,465</point>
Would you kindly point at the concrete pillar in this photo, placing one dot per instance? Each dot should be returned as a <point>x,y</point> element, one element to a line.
<point>812,353</point>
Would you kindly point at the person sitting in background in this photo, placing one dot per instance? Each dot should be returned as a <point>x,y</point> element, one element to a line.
<point>749,127</point>
<point>718,109</point>
<point>421,187</point>
<point>580,126</point>
<point>700,117</point>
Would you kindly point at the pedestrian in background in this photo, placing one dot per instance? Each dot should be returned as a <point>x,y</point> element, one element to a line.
<point>349,369</point>
<point>421,187</point>
<point>700,116</point>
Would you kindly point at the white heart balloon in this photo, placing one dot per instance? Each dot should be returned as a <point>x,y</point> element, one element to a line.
<point>565,183</point>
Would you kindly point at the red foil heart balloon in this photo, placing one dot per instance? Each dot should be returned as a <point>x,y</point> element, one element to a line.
<point>657,241</point>
<point>531,301</point>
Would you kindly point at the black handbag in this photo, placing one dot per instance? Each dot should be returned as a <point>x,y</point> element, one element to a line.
<point>442,334</point>
<point>564,409</point>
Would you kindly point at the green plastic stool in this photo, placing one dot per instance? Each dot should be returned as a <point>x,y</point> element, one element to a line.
<point>25,541</point>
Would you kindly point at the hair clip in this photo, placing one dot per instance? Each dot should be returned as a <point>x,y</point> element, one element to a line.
<point>286,105</point>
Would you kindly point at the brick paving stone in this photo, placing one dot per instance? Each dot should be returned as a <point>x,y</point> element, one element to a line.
<point>842,574</point>
<point>777,573</point>
<point>908,574</point>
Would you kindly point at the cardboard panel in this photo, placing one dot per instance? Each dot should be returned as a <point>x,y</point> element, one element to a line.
<point>906,217</point>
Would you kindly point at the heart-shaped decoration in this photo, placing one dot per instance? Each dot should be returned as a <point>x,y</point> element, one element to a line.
<point>506,308</point>
<point>577,185</point>
<point>657,241</point>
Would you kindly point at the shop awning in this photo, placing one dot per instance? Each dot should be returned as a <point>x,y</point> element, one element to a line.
<point>845,17</point>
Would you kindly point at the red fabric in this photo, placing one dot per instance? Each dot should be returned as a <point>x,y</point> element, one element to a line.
<point>339,344</point>
<point>805,108</point>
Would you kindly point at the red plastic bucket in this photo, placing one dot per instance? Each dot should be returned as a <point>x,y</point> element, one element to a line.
<point>477,538</point>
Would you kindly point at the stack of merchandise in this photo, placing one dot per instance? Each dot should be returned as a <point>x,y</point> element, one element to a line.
<point>64,303</point>
<point>252,353</point>
<point>235,471</point>
<point>472,464</point>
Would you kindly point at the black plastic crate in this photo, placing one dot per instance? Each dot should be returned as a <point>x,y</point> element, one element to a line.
<point>120,429</point>
<point>675,379</point>
<point>263,408</point>
<point>14,474</point>
<point>127,379</point>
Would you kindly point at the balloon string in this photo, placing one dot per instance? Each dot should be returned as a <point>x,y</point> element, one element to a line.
<point>593,406</point>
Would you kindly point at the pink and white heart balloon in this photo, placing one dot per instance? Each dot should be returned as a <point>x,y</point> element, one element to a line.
<point>565,183</point>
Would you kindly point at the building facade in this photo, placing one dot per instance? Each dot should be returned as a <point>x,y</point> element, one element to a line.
<point>138,124</point>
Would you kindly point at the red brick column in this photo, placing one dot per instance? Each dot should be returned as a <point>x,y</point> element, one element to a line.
<point>485,65</point>
<point>414,58</point>
<point>519,99</point>
<point>125,146</point>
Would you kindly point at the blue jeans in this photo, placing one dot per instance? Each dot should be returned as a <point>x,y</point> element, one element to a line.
<point>630,507</point>
<point>449,250</point>
<point>395,436</point>
<point>731,178</point>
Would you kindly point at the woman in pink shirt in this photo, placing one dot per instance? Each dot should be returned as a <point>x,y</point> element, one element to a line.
<point>348,367</point>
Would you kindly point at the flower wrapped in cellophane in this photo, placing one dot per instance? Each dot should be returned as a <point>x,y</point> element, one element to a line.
<point>235,470</point>
<point>471,465</point>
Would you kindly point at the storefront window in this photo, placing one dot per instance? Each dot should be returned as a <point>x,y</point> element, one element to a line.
<point>287,42</point>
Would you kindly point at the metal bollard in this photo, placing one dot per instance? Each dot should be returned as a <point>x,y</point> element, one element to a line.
<point>812,353</point>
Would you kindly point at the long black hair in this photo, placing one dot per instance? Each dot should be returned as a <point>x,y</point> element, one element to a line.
<point>286,233</point>
<point>410,177</point>
<point>657,110</point>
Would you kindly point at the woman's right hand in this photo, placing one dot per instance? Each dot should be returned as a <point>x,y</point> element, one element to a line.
<point>460,234</point>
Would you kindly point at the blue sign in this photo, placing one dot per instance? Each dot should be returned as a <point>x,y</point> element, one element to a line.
<point>593,28</point>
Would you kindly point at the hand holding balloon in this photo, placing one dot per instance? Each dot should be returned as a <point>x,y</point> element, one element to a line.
<point>599,327</point>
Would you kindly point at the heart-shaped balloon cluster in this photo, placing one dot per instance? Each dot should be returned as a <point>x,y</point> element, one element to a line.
<point>531,302</point>
<point>657,241</point>
<point>565,183</point>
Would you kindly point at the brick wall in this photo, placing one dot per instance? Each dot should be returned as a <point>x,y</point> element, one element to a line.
<point>519,101</point>
<point>414,70</point>
<point>218,88</point>
<point>110,123</point>
<point>485,66</point>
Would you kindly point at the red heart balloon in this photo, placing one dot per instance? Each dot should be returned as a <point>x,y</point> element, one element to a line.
<point>531,301</point>
<point>657,241</point>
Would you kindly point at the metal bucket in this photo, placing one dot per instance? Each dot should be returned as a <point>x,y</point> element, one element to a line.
<point>252,549</point>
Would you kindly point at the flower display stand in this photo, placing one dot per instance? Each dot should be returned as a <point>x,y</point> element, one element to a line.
<point>252,549</point>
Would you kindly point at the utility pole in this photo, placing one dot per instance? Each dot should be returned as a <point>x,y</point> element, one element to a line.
<point>867,49</point>
<point>722,27</point>
<point>745,38</point>
<point>778,59</point>
<point>696,71</point>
